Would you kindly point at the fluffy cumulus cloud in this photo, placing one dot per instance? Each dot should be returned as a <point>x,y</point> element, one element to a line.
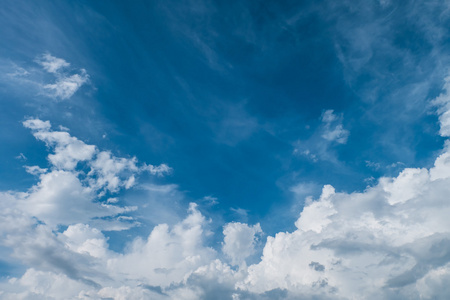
<point>391,241</point>
<point>65,193</point>
<point>239,241</point>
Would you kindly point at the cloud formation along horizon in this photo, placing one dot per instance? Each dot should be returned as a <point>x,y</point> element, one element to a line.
<point>390,241</point>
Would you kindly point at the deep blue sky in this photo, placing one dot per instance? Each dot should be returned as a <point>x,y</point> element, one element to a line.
<point>232,95</point>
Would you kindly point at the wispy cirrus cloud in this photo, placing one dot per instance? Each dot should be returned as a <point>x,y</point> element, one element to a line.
<point>67,80</point>
<point>65,85</point>
<point>329,134</point>
<point>52,64</point>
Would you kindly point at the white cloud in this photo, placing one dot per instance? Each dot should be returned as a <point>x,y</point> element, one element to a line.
<point>320,145</point>
<point>36,124</point>
<point>107,172</point>
<point>68,150</point>
<point>65,83</point>
<point>111,172</point>
<point>65,87</point>
<point>21,156</point>
<point>51,64</point>
<point>168,255</point>
<point>65,194</point>
<point>328,116</point>
<point>61,198</point>
<point>35,170</point>
<point>18,72</point>
<point>239,241</point>
<point>46,285</point>
<point>443,104</point>
<point>81,238</point>
<point>210,200</point>
<point>333,129</point>
<point>157,170</point>
<point>391,239</point>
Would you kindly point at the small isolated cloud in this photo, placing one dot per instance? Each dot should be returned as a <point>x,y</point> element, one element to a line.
<point>242,213</point>
<point>333,129</point>
<point>51,64</point>
<point>157,170</point>
<point>65,87</point>
<point>373,165</point>
<point>328,134</point>
<point>210,200</point>
<point>21,156</point>
<point>67,80</point>
<point>18,72</point>
<point>35,170</point>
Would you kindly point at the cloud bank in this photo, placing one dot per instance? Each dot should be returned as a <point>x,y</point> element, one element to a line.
<point>390,241</point>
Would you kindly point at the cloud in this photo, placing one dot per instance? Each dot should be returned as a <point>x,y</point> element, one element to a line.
<point>61,198</point>
<point>106,171</point>
<point>239,241</point>
<point>67,81</point>
<point>21,156</point>
<point>391,239</point>
<point>157,170</point>
<point>52,64</point>
<point>329,134</point>
<point>333,129</point>
<point>35,170</point>
<point>388,240</point>
<point>442,102</point>
<point>65,87</point>
<point>65,194</point>
<point>168,255</point>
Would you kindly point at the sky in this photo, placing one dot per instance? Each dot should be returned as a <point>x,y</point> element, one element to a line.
<point>224,150</point>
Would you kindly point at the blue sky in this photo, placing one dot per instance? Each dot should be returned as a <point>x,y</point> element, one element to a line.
<point>122,114</point>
